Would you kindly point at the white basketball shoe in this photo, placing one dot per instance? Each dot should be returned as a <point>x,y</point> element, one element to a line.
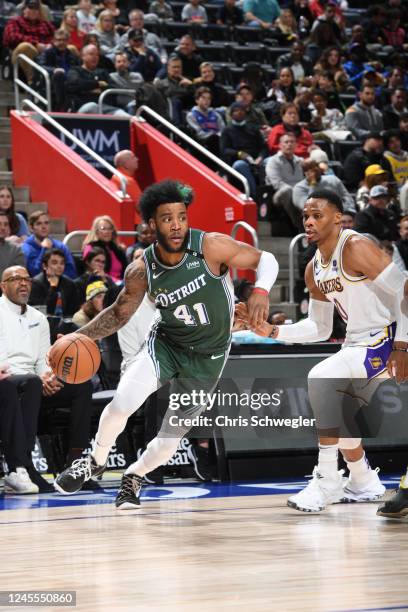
<point>19,482</point>
<point>369,491</point>
<point>319,493</point>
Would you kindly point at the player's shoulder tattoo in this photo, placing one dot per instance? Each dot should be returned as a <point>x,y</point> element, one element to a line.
<point>135,272</point>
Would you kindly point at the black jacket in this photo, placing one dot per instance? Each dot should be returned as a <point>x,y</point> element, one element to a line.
<point>286,61</point>
<point>356,163</point>
<point>382,224</point>
<point>391,119</point>
<point>80,84</point>
<point>246,138</point>
<point>43,294</point>
<point>52,58</point>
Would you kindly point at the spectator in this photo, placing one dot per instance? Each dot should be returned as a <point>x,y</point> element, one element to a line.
<point>27,361</point>
<point>194,13</point>
<point>327,123</point>
<point>104,63</point>
<point>357,36</point>
<point>315,179</point>
<point>190,59</point>
<point>176,88</point>
<point>10,254</point>
<point>40,241</point>
<point>94,262</point>
<point>318,9</point>
<point>57,60</point>
<point>85,16</point>
<point>142,59</point>
<point>28,34</point>
<point>254,113</point>
<point>162,9</point>
<point>108,37</point>
<point>122,78</point>
<point>127,163</point>
<point>286,26</point>
<point>326,83</point>
<point>283,89</point>
<point>376,219</point>
<point>51,288</point>
<point>290,123</point>
<point>357,161</point>
<point>283,172</point>
<point>220,96</point>
<point>393,33</point>
<point>330,61</point>
<point>296,59</point>
<point>103,235</point>
<point>119,14</point>
<point>18,225</point>
<point>242,145</point>
<point>325,32</point>
<point>373,25</point>
<point>230,15</point>
<point>373,175</point>
<point>205,122</point>
<point>261,13</point>
<point>362,118</point>
<point>402,243</point>
<point>69,24</point>
<point>397,158</point>
<point>151,40</point>
<point>145,237</point>
<point>95,293</point>
<point>392,112</point>
<point>347,219</point>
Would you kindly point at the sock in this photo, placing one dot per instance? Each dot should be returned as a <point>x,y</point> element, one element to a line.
<point>158,452</point>
<point>327,462</point>
<point>100,453</point>
<point>404,481</point>
<point>359,470</point>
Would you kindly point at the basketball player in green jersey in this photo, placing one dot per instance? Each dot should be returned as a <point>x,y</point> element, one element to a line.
<point>186,274</point>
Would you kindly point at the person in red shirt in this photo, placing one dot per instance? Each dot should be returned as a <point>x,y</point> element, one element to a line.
<point>28,34</point>
<point>127,163</point>
<point>318,7</point>
<point>290,124</point>
<point>69,23</point>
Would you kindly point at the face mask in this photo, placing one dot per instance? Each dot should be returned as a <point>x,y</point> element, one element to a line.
<point>239,123</point>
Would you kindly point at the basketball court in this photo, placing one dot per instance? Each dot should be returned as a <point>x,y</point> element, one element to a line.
<point>205,547</point>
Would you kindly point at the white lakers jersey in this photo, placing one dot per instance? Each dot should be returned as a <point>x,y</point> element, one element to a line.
<point>367,310</point>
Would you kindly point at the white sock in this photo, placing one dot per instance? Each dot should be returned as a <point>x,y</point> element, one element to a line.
<point>359,470</point>
<point>327,463</point>
<point>158,452</point>
<point>100,453</point>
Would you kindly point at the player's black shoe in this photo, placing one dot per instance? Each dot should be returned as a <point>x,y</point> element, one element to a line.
<point>71,480</point>
<point>397,506</point>
<point>199,458</point>
<point>128,497</point>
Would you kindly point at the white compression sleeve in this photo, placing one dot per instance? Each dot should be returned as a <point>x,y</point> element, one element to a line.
<point>267,271</point>
<point>318,325</point>
<point>392,281</point>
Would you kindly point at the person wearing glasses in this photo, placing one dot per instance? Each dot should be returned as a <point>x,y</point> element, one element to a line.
<point>10,254</point>
<point>103,234</point>
<point>40,241</point>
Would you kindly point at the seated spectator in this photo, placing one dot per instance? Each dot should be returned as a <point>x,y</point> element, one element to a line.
<point>51,288</point>
<point>57,60</point>
<point>357,161</point>
<point>393,33</point>
<point>373,24</point>
<point>118,13</point>
<point>40,241</point>
<point>103,235</point>
<point>127,163</point>
<point>261,13</point>
<point>284,88</point>
<point>318,9</point>
<point>190,59</point>
<point>142,59</point>
<point>205,122</point>
<point>362,117</point>
<point>242,145</point>
<point>194,13</point>
<point>151,40</point>
<point>93,305</point>
<point>108,37</point>
<point>347,219</point>
<point>297,60</point>
<point>376,219</point>
<point>18,225</point>
<point>10,253</point>
<point>69,24</point>
<point>357,36</point>
<point>286,27</point>
<point>177,88</point>
<point>28,34</point>
<point>220,96</point>
<point>330,61</point>
<point>357,66</point>
<point>145,237</point>
<point>315,179</point>
<point>392,112</point>
<point>397,158</point>
<point>104,63</point>
<point>326,83</point>
<point>283,172</point>
<point>94,262</point>
<point>254,113</point>
<point>401,244</point>
<point>85,16</point>
<point>373,175</point>
<point>325,32</point>
<point>327,123</point>
<point>290,123</point>
<point>230,15</point>
<point>27,363</point>
<point>122,78</point>
<point>162,9</point>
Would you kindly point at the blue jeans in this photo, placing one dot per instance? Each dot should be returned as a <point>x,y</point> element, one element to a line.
<point>244,168</point>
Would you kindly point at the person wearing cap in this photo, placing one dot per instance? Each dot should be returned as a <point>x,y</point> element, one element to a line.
<point>373,175</point>
<point>152,41</point>
<point>28,34</point>
<point>362,117</point>
<point>95,293</point>
<point>322,160</point>
<point>142,59</point>
<point>376,219</point>
<point>357,161</point>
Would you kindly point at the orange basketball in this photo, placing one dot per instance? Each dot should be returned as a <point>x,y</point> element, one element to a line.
<point>74,358</point>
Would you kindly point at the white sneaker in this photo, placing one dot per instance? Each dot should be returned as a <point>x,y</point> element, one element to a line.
<point>19,482</point>
<point>319,493</point>
<point>370,491</point>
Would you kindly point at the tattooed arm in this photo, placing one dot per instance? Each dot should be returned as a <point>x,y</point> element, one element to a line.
<point>113,318</point>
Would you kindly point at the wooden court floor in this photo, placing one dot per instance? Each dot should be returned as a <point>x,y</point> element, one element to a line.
<point>221,553</point>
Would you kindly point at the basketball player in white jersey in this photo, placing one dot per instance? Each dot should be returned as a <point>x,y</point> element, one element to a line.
<point>351,273</point>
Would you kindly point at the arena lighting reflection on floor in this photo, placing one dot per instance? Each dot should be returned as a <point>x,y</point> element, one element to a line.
<point>174,491</point>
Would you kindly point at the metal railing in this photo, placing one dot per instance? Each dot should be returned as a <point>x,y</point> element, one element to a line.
<point>78,143</point>
<point>244,225</point>
<point>292,245</point>
<point>19,83</point>
<point>175,130</point>
<point>71,235</point>
<point>109,92</point>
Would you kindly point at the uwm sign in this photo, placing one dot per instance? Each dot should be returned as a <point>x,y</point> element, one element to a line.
<point>104,136</point>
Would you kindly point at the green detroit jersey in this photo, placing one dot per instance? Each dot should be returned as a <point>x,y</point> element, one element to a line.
<point>196,306</point>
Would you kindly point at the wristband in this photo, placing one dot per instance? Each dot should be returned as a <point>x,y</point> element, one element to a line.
<point>260,290</point>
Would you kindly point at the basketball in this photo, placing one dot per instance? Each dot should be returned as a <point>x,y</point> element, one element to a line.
<point>74,358</point>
